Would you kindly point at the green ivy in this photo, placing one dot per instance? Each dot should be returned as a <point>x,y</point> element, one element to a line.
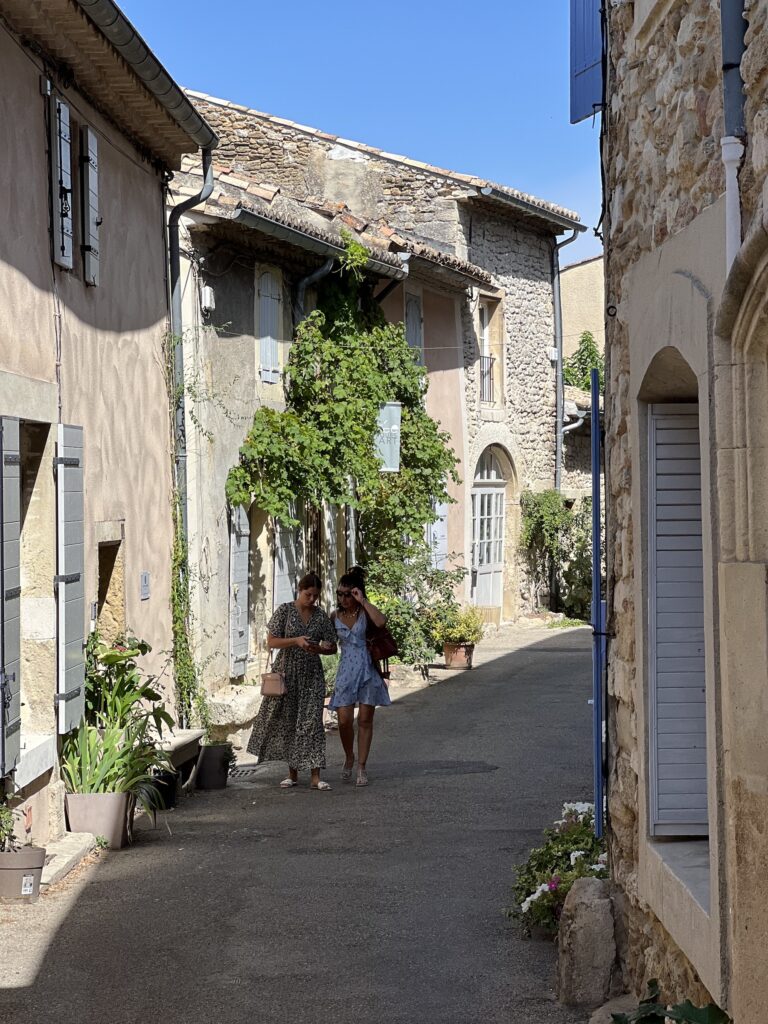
<point>557,543</point>
<point>578,367</point>
<point>345,363</point>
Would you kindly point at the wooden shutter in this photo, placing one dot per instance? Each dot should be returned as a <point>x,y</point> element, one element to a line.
<point>414,332</point>
<point>677,742</point>
<point>269,327</point>
<point>61,183</point>
<point>10,594</point>
<point>89,147</point>
<point>239,543</point>
<point>288,556</point>
<point>586,59</point>
<point>70,585</point>
<point>437,536</point>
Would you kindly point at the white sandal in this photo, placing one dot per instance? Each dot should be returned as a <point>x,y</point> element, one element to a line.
<point>321,786</point>
<point>362,777</point>
<point>288,783</point>
<point>346,773</point>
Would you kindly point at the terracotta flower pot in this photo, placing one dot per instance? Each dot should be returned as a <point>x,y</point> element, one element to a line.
<point>101,814</point>
<point>20,874</point>
<point>458,655</point>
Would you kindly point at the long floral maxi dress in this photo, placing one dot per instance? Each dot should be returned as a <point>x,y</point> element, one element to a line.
<point>290,728</point>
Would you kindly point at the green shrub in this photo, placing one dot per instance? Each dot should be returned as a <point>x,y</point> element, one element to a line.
<point>652,1010</point>
<point>457,625</point>
<point>577,368</point>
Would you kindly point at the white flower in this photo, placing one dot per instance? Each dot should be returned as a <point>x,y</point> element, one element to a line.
<point>603,858</point>
<point>597,867</point>
<point>576,855</point>
<point>578,808</point>
<point>529,900</point>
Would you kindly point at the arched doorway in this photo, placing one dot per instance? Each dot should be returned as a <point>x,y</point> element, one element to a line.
<point>491,533</point>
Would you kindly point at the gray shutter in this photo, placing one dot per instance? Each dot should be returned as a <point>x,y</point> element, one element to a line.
<point>89,147</point>
<point>61,183</point>
<point>10,595</point>
<point>70,585</point>
<point>414,333</point>
<point>586,59</point>
<point>288,555</point>
<point>269,327</point>
<point>678,738</point>
<point>239,543</point>
<point>437,536</point>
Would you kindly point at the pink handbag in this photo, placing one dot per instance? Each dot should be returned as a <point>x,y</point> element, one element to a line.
<point>272,683</point>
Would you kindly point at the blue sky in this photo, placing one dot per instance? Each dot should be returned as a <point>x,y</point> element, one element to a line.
<point>482,90</point>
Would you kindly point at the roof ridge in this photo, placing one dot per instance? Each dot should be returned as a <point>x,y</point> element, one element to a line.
<point>468,179</point>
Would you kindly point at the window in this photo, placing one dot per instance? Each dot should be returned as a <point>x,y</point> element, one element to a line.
<point>414,324</point>
<point>486,357</point>
<point>270,312</point>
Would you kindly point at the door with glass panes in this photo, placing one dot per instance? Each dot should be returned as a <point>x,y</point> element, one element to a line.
<point>488,494</point>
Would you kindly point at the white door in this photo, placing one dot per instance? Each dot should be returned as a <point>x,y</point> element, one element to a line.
<point>488,546</point>
<point>678,728</point>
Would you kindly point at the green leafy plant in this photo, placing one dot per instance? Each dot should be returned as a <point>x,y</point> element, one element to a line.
<point>653,1010</point>
<point>457,625</point>
<point>8,841</point>
<point>114,759</point>
<point>577,368</point>
<point>556,540</point>
<point>116,691</point>
<point>570,851</point>
<point>102,843</point>
<point>344,364</point>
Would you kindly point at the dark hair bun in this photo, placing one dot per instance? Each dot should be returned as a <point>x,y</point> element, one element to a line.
<point>357,574</point>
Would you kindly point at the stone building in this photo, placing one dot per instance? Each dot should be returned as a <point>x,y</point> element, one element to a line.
<point>477,300</point>
<point>685,157</point>
<point>86,471</point>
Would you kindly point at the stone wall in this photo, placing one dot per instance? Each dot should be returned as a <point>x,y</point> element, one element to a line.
<point>662,161</point>
<point>754,71</point>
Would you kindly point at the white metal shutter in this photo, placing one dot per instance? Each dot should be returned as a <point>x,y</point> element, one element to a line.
<point>61,182</point>
<point>10,595</point>
<point>437,535</point>
<point>269,327</point>
<point>288,554</point>
<point>414,332</point>
<point>89,146</point>
<point>239,543</point>
<point>677,742</point>
<point>70,585</point>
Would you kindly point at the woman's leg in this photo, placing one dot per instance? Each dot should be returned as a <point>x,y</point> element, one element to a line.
<point>347,733</point>
<point>364,733</point>
<point>293,774</point>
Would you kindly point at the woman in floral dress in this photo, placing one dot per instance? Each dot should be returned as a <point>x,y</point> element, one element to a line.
<point>358,680</point>
<point>290,728</point>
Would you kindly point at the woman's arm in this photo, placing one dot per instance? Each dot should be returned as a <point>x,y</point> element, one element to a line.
<point>281,642</point>
<point>373,613</point>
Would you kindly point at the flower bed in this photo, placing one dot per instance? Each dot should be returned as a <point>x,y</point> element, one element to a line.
<point>570,851</point>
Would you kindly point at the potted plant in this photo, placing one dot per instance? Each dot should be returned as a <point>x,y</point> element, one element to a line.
<point>457,630</point>
<point>214,763</point>
<point>21,866</point>
<point>108,772</point>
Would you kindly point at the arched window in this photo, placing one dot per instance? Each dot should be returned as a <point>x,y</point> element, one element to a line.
<point>489,467</point>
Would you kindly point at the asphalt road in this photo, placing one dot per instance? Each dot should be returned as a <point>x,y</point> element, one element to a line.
<point>374,906</point>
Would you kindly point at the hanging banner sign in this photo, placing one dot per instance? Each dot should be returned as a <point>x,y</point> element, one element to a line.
<point>388,437</point>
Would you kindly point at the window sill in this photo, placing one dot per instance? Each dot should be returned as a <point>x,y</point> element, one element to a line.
<point>688,861</point>
<point>491,413</point>
<point>38,756</point>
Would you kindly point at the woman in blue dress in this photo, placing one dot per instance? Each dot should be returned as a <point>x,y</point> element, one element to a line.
<point>358,680</point>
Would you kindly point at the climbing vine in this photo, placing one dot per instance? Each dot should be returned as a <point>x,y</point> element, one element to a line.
<point>345,363</point>
<point>577,368</point>
<point>556,542</point>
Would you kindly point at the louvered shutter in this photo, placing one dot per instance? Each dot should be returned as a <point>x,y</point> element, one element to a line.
<point>239,543</point>
<point>413,324</point>
<point>70,585</point>
<point>586,59</point>
<point>61,183</point>
<point>288,554</point>
<point>89,147</point>
<point>437,536</point>
<point>10,595</point>
<point>678,745</point>
<point>269,327</point>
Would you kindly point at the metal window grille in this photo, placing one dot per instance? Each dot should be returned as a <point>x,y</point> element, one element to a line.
<point>486,378</point>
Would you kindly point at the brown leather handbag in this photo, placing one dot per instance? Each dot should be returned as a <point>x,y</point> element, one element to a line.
<point>272,683</point>
<point>380,642</point>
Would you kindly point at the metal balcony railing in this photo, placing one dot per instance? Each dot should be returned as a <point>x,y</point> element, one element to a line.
<point>486,378</point>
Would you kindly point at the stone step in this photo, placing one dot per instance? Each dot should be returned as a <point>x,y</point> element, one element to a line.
<point>64,854</point>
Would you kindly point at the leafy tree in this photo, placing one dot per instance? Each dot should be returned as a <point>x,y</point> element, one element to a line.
<point>577,368</point>
<point>557,543</point>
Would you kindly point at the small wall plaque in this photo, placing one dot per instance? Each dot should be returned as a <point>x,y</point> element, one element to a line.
<point>145,586</point>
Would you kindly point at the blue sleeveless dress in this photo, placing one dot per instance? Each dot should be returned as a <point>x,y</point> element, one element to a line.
<point>357,681</point>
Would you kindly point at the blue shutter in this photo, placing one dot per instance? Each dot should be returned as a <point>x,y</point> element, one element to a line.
<point>438,536</point>
<point>288,556</point>
<point>586,59</point>
<point>70,585</point>
<point>61,183</point>
<point>239,543</point>
<point>269,327</point>
<point>414,327</point>
<point>10,594</point>
<point>89,147</point>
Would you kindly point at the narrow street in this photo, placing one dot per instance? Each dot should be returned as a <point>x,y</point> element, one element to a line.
<point>377,906</point>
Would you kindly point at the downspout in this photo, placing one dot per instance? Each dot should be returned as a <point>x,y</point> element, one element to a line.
<point>174,259</point>
<point>556,247</point>
<point>732,29</point>
<point>573,426</point>
<point>307,282</point>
